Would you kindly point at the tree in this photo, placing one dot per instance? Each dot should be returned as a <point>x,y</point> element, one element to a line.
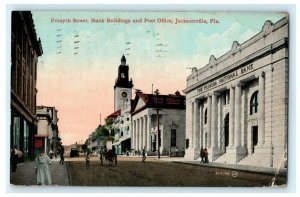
<point>101,131</point>
<point>109,126</point>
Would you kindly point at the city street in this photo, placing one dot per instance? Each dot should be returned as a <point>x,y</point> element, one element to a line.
<point>130,171</point>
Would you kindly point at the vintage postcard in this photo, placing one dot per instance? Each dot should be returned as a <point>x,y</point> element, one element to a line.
<point>156,99</point>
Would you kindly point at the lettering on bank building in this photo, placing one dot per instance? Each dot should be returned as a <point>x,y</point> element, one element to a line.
<point>224,79</point>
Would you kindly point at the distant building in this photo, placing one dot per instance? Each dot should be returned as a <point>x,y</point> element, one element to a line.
<point>123,86</point>
<point>122,105</point>
<point>96,139</point>
<point>25,50</point>
<point>237,105</point>
<point>144,120</point>
<point>122,125</point>
<point>47,129</point>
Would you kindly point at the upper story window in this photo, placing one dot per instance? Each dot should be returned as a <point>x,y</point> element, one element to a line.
<point>122,75</point>
<point>253,103</point>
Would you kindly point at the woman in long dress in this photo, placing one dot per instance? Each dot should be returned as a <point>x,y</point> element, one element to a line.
<point>42,162</point>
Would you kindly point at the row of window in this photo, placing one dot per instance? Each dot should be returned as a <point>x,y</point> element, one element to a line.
<point>23,71</point>
<point>253,106</point>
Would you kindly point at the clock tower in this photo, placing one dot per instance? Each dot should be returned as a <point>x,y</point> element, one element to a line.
<point>123,86</point>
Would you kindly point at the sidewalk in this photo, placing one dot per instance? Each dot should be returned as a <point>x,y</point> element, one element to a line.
<point>25,174</point>
<point>255,169</point>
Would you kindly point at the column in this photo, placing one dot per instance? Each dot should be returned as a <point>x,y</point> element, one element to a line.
<point>141,134</point>
<point>196,124</point>
<point>213,120</point>
<point>220,123</point>
<point>131,135</point>
<point>261,109</point>
<point>193,125</point>
<point>145,132</point>
<point>137,134</point>
<point>209,121</point>
<point>237,115</point>
<point>231,117</point>
<point>201,125</point>
<point>149,132</point>
<point>243,130</point>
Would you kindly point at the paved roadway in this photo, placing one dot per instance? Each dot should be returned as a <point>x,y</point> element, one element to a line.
<point>130,171</point>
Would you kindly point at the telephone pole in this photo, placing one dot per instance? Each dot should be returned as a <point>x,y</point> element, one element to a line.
<point>158,130</point>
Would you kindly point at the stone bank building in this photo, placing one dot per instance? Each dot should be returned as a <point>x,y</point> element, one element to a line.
<point>237,105</point>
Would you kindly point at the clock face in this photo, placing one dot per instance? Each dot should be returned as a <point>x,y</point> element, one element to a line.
<point>124,94</point>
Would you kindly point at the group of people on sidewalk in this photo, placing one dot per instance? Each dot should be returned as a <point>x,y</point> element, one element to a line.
<point>204,155</point>
<point>15,155</point>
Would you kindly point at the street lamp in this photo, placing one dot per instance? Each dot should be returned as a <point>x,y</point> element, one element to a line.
<point>158,130</point>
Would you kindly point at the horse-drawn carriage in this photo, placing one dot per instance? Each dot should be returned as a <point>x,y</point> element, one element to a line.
<point>108,155</point>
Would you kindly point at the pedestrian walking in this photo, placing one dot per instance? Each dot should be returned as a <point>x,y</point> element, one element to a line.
<point>114,154</point>
<point>61,153</point>
<point>87,161</point>
<point>42,162</point>
<point>202,155</point>
<point>51,153</point>
<point>101,155</point>
<point>206,155</point>
<point>143,155</point>
<point>15,154</point>
<point>176,151</point>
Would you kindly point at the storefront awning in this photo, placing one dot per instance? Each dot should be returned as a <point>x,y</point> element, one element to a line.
<point>121,140</point>
<point>116,143</point>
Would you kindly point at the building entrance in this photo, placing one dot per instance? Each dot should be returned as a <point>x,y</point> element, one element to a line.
<point>254,137</point>
<point>153,142</point>
<point>226,131</point>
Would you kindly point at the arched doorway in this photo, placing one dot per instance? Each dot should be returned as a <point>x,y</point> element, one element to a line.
<point>226,131</point>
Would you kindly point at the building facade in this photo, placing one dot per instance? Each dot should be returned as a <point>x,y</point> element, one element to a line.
<point>25,50</point>
<point>150,112</point>
<point>47,129</point>
<point>237,105</point>
<point>122,126</point>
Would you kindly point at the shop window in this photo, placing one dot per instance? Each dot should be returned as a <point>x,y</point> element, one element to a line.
<point>253,103</point>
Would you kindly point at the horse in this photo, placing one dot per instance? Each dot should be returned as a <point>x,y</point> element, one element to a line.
<point>109,155</point>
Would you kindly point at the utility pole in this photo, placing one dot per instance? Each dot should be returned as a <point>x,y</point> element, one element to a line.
<point>152,89</point>
<point>158,130</point>
<point>100,118</point>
